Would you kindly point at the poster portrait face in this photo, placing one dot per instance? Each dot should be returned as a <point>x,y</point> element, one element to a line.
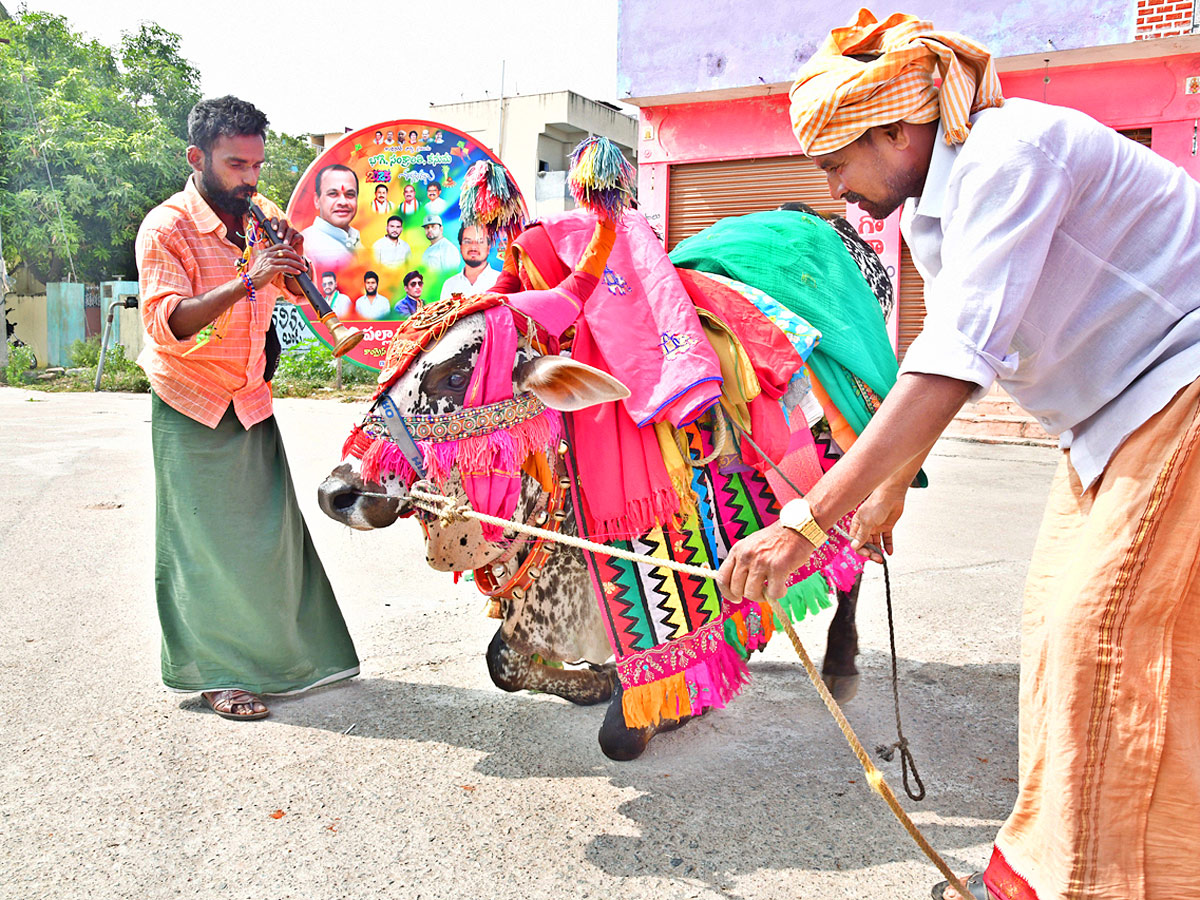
<point>336,196</point>
<point>396,183</point>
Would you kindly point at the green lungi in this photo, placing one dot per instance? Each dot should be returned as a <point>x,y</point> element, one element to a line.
<point>243,599</point>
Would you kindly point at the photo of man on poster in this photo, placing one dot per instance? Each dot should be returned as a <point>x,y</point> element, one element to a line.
<point>331,240</point>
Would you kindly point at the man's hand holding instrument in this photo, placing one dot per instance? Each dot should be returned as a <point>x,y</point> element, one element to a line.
<point>283,258</point>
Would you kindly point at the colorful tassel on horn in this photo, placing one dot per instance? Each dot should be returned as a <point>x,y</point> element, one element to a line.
<point>490,199</point>
<point>601,179</point>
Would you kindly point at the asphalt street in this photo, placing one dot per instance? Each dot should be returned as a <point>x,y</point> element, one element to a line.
<point>420,779</point>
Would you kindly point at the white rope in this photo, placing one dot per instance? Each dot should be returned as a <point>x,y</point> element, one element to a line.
<point>447,509</point>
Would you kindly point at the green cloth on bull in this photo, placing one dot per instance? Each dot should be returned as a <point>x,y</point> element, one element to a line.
<point>243,599</point>
<point>800,261</point>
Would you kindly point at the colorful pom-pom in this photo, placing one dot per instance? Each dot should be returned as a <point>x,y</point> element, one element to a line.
<point>601,178</point>
<point>490,199</point>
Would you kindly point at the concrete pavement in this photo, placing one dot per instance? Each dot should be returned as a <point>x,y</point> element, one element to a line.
<point>420,779</point>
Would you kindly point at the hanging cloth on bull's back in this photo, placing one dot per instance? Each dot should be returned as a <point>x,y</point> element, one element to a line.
<point>642,321</point>
<point>801,262</point>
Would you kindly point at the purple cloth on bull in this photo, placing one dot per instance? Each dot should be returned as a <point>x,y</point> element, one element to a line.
<point>642,321</point>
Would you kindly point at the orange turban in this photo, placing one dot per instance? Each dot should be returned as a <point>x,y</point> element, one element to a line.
<point>836,98</point>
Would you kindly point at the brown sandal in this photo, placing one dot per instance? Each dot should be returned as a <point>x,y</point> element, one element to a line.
<point>223,703</point>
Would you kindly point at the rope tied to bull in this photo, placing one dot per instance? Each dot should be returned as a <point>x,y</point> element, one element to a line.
<point>886,752</point>
<point>449,510</point>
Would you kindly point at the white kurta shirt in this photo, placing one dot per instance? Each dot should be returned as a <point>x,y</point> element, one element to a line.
<point>458,283</point>
<point>1063,260</point>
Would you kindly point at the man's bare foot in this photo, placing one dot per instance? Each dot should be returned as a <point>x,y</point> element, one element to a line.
<point>235,704</point>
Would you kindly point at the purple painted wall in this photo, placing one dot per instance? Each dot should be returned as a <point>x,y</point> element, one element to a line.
<point>680,46</point>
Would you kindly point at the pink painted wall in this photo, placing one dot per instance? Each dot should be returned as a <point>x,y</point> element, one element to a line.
<point>1144,93</point>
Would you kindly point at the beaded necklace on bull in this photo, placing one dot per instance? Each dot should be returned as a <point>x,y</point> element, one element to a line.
<point>601,180</point>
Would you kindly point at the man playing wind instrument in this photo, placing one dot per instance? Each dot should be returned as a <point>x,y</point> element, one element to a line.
<point>1060,260</point>
<point>244,603</point>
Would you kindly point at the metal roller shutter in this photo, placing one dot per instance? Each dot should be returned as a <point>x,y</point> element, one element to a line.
<point>701,193</point>
<point>911,302</point>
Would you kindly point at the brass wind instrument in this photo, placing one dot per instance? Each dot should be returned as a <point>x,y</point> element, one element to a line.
<point>345,337</point>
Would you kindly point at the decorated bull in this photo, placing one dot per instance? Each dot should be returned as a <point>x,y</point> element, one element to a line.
<point>598,391</point>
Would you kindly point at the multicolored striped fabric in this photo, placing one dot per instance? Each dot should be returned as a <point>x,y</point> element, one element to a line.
<point>836,98</point>
<point>669,631</point>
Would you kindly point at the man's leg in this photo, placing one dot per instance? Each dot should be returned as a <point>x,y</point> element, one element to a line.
<point>1108,658</point>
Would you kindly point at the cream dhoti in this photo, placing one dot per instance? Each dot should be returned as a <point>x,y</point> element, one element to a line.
<point>1110,679</point>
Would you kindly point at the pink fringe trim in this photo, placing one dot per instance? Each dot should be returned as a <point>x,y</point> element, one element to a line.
<point>501,452</point>
<point>641,515</point>
<point>715,681</point>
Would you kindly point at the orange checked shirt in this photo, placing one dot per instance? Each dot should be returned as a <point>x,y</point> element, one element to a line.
<point>182,252</point>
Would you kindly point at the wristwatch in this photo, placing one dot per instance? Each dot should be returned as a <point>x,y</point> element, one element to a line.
<point>797,516</point>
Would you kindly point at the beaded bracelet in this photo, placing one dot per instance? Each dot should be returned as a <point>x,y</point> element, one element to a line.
<point>249,286</point>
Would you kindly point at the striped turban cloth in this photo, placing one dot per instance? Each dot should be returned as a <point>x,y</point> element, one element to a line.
<point>837,98</point>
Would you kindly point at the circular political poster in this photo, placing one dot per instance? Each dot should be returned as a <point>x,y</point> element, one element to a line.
<point>381,222</point>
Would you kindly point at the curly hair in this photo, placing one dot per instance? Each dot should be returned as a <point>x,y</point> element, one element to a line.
<point>224,116</point>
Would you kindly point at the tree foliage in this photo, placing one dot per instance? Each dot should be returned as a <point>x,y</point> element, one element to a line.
<point>109,126</point>
<point>287,158</point>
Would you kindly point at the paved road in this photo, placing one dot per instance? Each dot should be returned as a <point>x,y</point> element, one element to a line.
<point>420,779</point>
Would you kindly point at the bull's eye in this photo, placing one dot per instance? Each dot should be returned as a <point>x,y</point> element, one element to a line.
<point>457,380</point>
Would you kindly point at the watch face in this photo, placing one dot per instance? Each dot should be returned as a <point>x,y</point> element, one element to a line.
<point>794,513</point>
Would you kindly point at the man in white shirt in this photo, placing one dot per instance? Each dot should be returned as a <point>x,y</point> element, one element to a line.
<point>1061,260</point>
<point>340,303</point>
<point>372,304</point>
<point>435,203</point>
<point>477,276</point>
<point>409,206</point>
<point>391,249</point>
<point>381,204</point>
<point>330,239</point>
<point>440,255</point>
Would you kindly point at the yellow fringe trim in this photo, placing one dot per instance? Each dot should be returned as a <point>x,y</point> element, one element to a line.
<point>649,704</point>
<point>678,470</point>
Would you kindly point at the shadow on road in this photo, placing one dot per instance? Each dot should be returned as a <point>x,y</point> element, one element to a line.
<point>720,797</point>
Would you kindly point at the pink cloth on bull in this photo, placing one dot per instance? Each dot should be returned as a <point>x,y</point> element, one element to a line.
<point>493,485</point>
<point>556,309</point>
<point>642,321</point>
<point>624,483</point>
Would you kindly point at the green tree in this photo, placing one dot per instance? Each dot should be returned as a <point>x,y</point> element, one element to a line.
<point>158,77</point>
<point>106,126</point>
<point>287,158</point>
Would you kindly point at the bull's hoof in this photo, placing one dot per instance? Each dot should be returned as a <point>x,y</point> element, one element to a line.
<point>843,687</point>
<point>617,740</point>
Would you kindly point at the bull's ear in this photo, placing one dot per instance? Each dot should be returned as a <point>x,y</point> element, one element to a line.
<point>564,384</point>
